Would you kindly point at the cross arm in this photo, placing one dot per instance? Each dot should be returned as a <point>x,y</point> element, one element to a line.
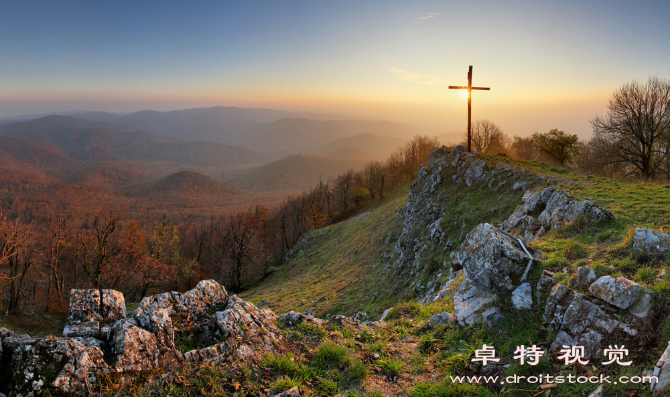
<point>481,88</point>
<point>458,87</point>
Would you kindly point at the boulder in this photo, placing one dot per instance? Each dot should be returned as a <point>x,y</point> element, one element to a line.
<point>85,314</point>
<point>550,208</point>
<point>133,348</point>
<point>522,297</point>
<point>470,301</point>
<point>620,292</point>
<point>493,316</point>
<point>442,318</point>
<point>650,240</point>
<point>189,308</point>
<point>243,329</point>
<point>580,320</point>
<point>52,364</point>
<point>493,259</point>
<point>583,277</point>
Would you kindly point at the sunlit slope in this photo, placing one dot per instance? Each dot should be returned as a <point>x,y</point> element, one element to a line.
<point>337,268</point>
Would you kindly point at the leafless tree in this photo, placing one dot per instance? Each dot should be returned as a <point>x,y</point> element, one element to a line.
<point>638,117</point>
<point>523,148</point>
<point>487,137</point>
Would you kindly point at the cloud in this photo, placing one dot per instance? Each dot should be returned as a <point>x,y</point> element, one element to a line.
<point>416,78</point>
<point>424,17</point>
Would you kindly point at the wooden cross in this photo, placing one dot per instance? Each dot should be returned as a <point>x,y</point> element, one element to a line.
<point>469,88</point>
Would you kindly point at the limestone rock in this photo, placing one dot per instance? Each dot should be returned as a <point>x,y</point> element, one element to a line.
<point>551,208</point>
<point>187,308</point>
<point>243,329</point>
<point>56,365</point>
<point>650,240</point>
<point>583,277</point>
<point>493,259</point>
<point>642,308</point>
<point>134,348</point>
<point>470,301</point>
<point>520,186</point>
<point>546,283</point>
<point>580,320</point>
<point>85,306</point>
<point>620,292</point>
<point>493,316</point>
<point>385,314</point>
<point>442,318</point>
<point>522,297</point>
<point>662,371</point>
<point>293,318</point>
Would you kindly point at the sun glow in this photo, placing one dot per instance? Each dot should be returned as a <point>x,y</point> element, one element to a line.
<point>463,94</point>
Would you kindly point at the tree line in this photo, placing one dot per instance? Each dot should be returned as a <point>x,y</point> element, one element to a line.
<point>42,259</point>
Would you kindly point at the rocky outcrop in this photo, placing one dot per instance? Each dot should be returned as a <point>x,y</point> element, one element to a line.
<point>228,328</point>
<point>581,320</point>
<point>650,240</point>
<point>442,318</point>
<point>493,259</point>
<point>550,208</point>
<point>87,317</point>
<point>68,365</point>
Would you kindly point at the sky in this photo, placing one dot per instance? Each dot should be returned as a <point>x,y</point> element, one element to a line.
<point>549,64</point>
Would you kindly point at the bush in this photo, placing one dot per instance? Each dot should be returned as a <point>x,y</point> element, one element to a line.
<point>329,352</point>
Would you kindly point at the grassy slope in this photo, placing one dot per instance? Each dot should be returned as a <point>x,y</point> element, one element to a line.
<point>335,269</point>
<point>338,263</point>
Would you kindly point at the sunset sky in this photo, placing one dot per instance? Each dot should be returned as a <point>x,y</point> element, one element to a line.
<point>550,64</point>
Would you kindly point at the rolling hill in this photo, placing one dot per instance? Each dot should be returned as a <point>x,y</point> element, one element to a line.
<point>184,183</point>
<point>14,150</point>
<point>376,145</point>
<point>80,141</point>
<point>292,173</point>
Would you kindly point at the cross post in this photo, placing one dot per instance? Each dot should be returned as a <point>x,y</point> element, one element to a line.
<point>469,88</point>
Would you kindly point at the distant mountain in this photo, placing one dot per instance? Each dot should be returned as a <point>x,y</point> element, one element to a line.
<point>304,134</point>
<point>14,150</point>
<point>184,183</point>
<point>81,142</point>
<point>118,174</point>
<point>228,125</point>
<point>293,173</point>
<point>352,153</point>
<point>376,145</point>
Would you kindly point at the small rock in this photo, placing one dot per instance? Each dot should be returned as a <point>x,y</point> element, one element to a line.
<point>385,314</point>
<point>599,392</point>
<point>520,186</point>
<point>493,316</point>
<point>583,277</point>
<point>546,282</point>
<point>522,297</point>
<point>650,240</point>
<point>442,318</point>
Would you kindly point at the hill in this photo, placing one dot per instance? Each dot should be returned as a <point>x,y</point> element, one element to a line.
<point>292,173</point>
<point>183,183</point>
<point>352,153</point>
<point>378,146</point>
<point>14,150</point>
<point>80,141</point>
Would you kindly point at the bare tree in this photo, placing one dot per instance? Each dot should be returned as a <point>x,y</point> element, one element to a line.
<point>523,148</point>
<point>638,116</point>
<point>487,137</point>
